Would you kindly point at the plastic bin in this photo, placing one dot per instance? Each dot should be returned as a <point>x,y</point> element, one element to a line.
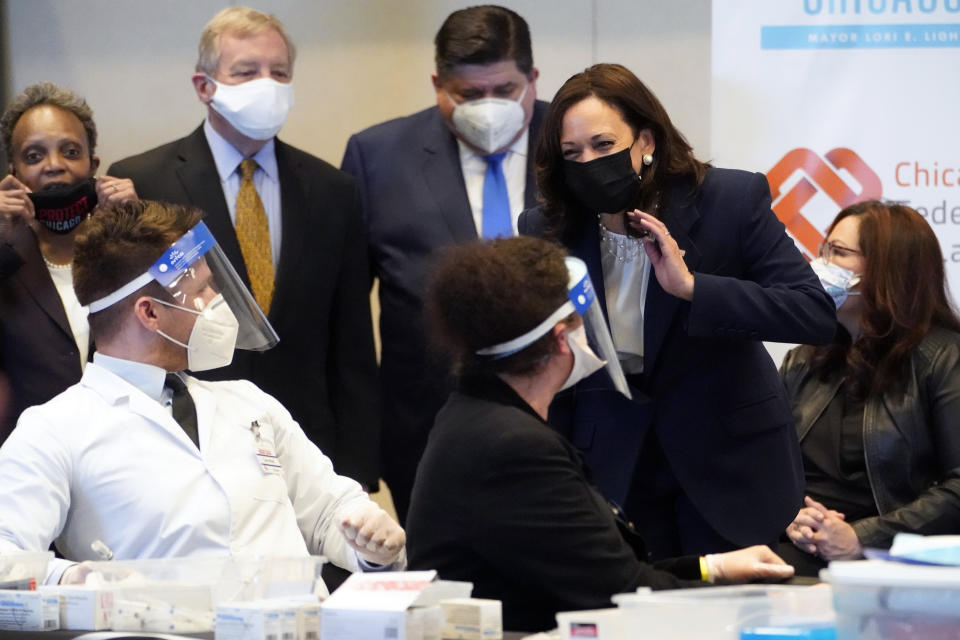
<point>18,569</point>
<point>723,613</point>
<point>181,594</point>
<point>890,600</point>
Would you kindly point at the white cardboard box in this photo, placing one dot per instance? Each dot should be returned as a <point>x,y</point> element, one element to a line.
<point>249,621</point>
<point>378,605</point>
<point>29,611</point>
<point>472,619</point>
<point>83,608</point>
<point>602,624</point>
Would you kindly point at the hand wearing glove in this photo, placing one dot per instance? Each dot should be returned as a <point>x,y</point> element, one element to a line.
<point>373,534</point>
<point>76,573</point>
<point>756,563</point>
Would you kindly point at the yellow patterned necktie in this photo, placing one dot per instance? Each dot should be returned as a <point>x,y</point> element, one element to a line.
<point>253,232</point>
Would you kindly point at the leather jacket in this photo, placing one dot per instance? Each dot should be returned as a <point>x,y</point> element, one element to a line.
<point>911,440</point>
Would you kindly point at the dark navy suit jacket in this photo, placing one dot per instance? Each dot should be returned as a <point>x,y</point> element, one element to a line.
<point>709,387</point>
<point>414,202</point>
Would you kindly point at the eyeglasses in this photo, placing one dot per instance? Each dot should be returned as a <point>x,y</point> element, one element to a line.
<point>830,250</point>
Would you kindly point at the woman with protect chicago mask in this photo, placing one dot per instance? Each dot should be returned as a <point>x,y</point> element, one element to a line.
<point>50,190</point>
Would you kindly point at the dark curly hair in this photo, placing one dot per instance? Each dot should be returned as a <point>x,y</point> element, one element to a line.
<point>486,293</point>
<point>46,93</point>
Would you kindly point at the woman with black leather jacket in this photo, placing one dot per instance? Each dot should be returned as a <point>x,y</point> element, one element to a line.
<point>878,410</point>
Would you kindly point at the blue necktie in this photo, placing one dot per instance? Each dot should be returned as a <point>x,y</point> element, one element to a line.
<point>496,202</point>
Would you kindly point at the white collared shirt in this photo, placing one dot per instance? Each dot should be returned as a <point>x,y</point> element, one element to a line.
<point>266,179</point>
<point>514,165</point>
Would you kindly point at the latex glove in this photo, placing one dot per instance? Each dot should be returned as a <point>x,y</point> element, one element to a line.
<point>373,534</point>
<point>76,573</point>
<point>756,563</point>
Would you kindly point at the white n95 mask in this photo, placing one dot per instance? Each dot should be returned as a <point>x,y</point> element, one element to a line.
<point>489,123</point>
<point>257,108</point>
<point>213,338</point>
<point>835,280</point>
<point>585,361</point>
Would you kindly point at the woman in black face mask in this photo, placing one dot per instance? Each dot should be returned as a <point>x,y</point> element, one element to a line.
<point>50,137</point>
<point>694,271</point>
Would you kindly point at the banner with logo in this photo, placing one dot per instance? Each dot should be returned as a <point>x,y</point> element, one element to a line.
<point>838,101</point>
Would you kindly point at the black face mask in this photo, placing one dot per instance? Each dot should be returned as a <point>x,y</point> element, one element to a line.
<point>607,184</point>
<point>62,208</point>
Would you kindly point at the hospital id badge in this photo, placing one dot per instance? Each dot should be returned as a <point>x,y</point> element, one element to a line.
<point>265,452</point>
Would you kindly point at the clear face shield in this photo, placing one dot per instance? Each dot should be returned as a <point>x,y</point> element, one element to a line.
<point>201,280</point>
<point>582,299</point>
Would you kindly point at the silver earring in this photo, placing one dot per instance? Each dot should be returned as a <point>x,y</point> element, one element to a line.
<point>648,159</point>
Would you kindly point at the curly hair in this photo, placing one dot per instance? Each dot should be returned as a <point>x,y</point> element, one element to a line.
<point>46,93</point>
<point>487,293</point>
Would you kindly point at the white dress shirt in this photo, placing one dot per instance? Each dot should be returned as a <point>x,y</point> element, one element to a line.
<point>266,179</point>
<point>105,460</point>
<point>514,165</point>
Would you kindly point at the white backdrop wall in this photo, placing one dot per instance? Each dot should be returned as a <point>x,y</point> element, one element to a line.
<point>359,61</point>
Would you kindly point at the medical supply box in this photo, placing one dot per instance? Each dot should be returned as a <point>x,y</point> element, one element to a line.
<point>397,605</point>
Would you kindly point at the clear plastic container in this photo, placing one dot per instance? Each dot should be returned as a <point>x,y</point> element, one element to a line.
<point>891,600</point>
<point>181,594</point>
<point>722,613</point>
<point>19,568</point>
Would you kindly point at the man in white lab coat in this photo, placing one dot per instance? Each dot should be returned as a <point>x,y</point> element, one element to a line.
<point>153,462</point>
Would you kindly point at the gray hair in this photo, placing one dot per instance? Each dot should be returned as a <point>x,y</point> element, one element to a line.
<point>46,93</point>
<point>242,21</point>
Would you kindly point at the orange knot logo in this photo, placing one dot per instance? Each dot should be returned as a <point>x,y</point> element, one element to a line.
<point>818,175</point>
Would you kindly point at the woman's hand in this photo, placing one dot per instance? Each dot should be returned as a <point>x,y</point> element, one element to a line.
<point>745,565</point>
<point>112,190</point>
<point>824,532</point>
<point>664,255</point>
<point>15,206</point>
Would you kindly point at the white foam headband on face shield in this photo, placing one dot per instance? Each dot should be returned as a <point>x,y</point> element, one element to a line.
<point>510,347</point>
<point>121,293</point>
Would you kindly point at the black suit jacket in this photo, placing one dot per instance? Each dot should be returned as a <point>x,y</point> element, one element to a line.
<point>709,387</point>
<point>38,353</point>
<point>414,203</point>
<point>502,500</point>
<point>324,368</point>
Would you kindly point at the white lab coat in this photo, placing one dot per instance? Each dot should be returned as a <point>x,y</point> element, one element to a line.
<point>103,460</point>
